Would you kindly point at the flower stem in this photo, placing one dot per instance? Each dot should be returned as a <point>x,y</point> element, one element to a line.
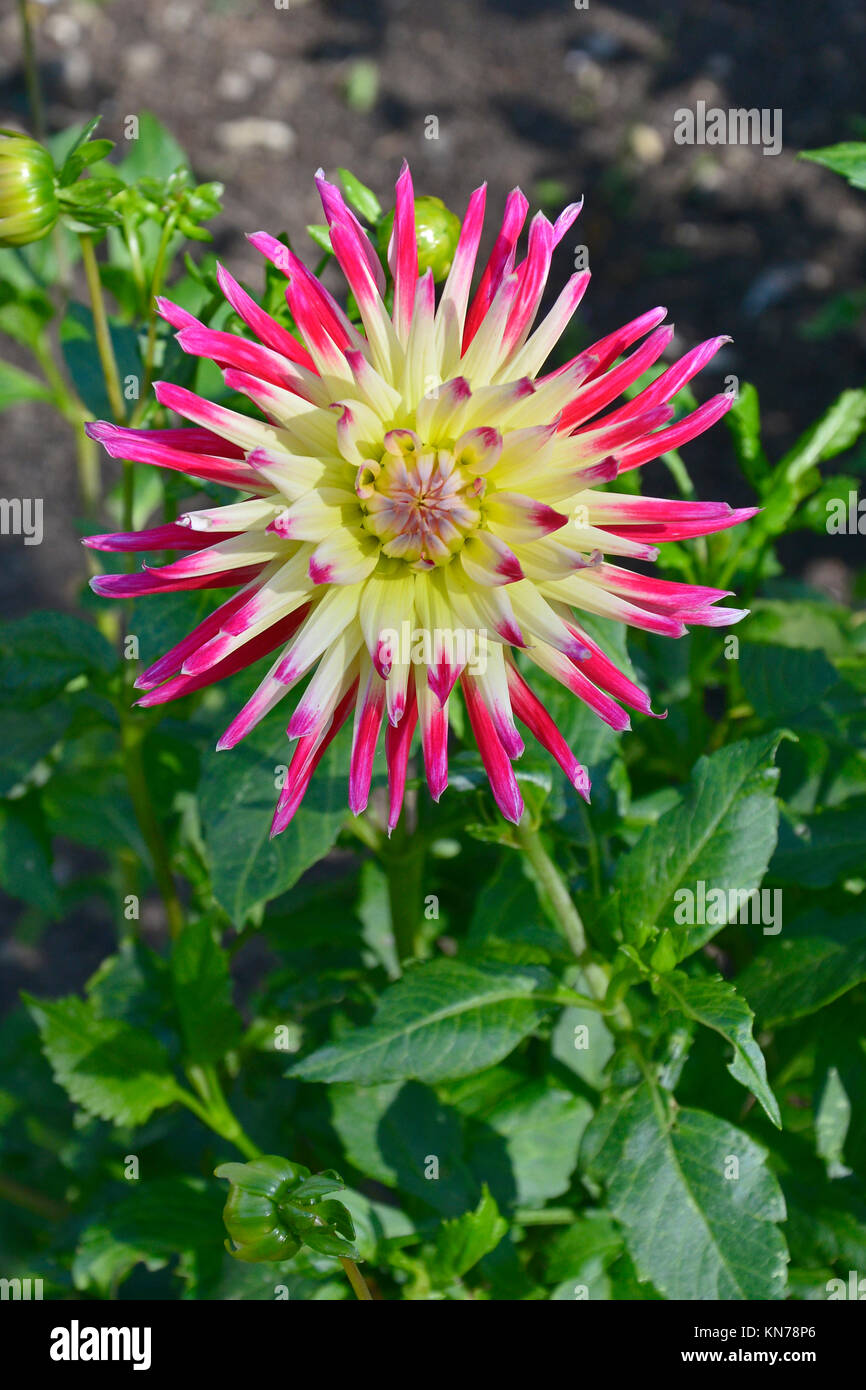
<point>553,886</point>
<point>101,331</point>
<point>148,821</point>
<point>31,70</point>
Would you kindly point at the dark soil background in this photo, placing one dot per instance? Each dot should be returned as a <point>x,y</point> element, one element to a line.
<point>561,100</point>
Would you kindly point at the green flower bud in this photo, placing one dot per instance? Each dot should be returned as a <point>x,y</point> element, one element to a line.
<point>28,196</point>
<point>436,232</point>
<point>274,1207</point>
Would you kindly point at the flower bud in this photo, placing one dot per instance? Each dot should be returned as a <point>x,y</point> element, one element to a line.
<point>274,1207</point>
<point>28,197</point>
<point>436,232</point>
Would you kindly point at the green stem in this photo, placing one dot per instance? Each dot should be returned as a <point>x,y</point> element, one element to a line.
<point>552,884</point>
<point>131,734</point>
<point>31,70</point>
<point>101,331</point>
<point>155,287</point>
<point>20,1196</point>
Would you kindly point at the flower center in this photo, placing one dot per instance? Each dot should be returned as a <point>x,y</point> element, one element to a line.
<point>419,501</point>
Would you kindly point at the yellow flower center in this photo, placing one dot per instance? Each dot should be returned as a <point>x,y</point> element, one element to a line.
<point>419,501</point>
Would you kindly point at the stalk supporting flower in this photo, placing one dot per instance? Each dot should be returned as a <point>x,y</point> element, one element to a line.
<point>422,501</point>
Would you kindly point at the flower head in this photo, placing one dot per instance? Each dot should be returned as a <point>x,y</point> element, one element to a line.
<point>422,499</point>
<point>28,196</point>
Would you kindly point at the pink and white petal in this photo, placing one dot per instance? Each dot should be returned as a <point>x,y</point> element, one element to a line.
<point>335,610</point>
<point>323,689</point>
<point>345,557</point>
<point>596,394</point>
<point>497,765</point>
<point>169,537</point>
<point>654,445</point>
<point>398,744</point>
<point>151,446</point>
<point>572,677</point>
<point>266,642</point>
<point>307,756</point>
<point>531,712</point>
<point>490,674</point>
<point>403,254</point>
<point>387,603</point>
<point>369,710</point>
<point>499,265</point>
<point>451,314</point>
<point>271,333</point>
<point>517,518</point>
<point>434,734</point>
<point>488,560</point>
<point>530,358</point>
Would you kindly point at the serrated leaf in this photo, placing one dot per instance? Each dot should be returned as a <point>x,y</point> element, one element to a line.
<point>112,1070</point>
<point>238,794</point>
<point>443,1019</point>
<point>461,1243</point>
<point>722,833</point>
<point>42,653</point>
<point>210,1024</point>
<point>391,1133</point>
<point>696,1225</point>
<point>528,1146</point>
<point>717,1005</point>
<point>814,961</point>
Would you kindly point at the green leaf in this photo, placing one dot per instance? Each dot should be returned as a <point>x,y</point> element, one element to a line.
<point>392,1133</point>
<point>744,422</point>
<point>210,1024</point>
<point>154,155</point>
<point>238,793</point>
<point>847,159</point>
<point>153,1223</point>
<point>821,849</point>
<point>838,428</point>
<point>110,1069</point>
<point>28,736</point>
<point>695,1197</point>
<point>583,1042</point>
<point>42,653</point>
<point>81,355</point>
<point>722,833</point>
<point>25,863</point>
<point>814,961</point>
<point>528,1146</point>
<point>443,1019</point>
<point>781,682</point>
<point>16,385</point>
<point>716,1004</point>
<point>461,1243</point>
<point>362,198</point>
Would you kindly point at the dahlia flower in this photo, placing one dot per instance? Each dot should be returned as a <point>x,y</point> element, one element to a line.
<point>424,477</point>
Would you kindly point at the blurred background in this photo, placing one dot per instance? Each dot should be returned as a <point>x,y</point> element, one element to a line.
<point>560,100</point>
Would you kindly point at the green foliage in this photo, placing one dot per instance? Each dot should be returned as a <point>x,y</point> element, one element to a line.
<point>679,1114</point>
